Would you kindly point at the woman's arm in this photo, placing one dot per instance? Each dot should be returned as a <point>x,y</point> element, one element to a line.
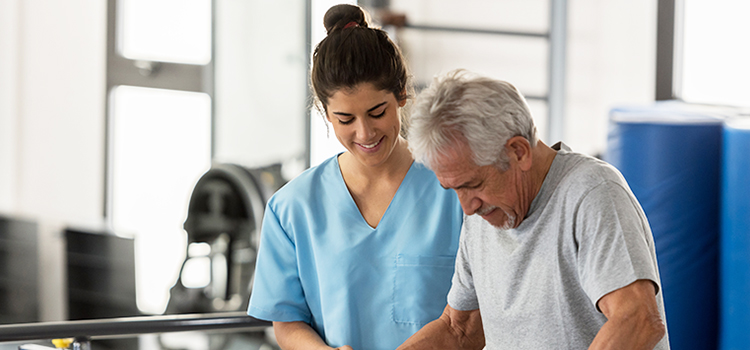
<point>300,336</point>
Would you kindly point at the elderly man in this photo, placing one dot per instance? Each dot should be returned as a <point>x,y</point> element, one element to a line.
<point>559,254</point>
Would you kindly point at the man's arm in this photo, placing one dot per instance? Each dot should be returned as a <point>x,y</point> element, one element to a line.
<point>453,330</point>
<point>633,318</point>
<point>299,335</point>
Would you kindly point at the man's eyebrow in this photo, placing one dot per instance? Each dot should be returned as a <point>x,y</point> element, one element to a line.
<point>463,185</point>
<point>369,110</point>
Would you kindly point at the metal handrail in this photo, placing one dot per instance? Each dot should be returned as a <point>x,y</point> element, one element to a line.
<point>541,35</point>
<point>108,327</point>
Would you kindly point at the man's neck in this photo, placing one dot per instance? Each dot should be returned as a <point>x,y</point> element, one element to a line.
<point>543,157</point>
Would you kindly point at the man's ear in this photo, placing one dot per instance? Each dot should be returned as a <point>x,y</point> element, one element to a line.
<point>519,149</point>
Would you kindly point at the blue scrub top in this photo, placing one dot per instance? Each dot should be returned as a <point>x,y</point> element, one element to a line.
<point>371,288</point>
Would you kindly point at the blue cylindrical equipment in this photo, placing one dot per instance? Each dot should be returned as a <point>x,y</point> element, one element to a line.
<point>671,155</point>
<point>735,236</point>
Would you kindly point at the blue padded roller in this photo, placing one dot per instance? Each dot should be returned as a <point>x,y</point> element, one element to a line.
<point>670,155</point>
<point>735,236</point>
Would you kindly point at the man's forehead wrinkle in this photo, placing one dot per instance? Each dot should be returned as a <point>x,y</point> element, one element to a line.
<point>458,176</point>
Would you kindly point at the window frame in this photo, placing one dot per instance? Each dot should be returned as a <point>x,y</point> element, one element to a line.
<point>148,74</point>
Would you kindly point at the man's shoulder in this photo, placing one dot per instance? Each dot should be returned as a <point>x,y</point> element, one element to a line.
<point>584,171</point>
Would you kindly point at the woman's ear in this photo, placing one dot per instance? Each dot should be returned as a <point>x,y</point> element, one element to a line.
<point>402,102</point>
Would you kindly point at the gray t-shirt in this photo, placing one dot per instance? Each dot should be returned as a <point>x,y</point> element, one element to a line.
<point>536,286</point>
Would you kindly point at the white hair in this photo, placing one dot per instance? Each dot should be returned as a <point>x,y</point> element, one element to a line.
<point>484,112</point>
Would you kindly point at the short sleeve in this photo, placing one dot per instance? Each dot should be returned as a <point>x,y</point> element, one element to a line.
<point>462,295</point>
<point>277,293</point>
<point>615,242</point>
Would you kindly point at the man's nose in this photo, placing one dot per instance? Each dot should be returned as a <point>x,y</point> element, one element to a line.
<point>469,203</point>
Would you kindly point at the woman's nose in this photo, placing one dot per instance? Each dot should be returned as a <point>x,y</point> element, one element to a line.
<point>365,130</point>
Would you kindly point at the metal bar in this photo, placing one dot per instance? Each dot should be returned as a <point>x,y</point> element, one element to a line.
<point>476,30</point>
<point>536,98</point>
<point>171,76</point>
<point>108,139</point>
<point>556,93</point>
<point>418,87</point>
<point>665,32</point>
<point>129,326</point>
<point>209,78</point>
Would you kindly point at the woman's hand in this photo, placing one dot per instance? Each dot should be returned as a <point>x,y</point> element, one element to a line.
<point>300,336</point>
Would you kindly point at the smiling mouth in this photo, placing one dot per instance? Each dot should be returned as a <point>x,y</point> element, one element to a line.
<point>372,145</point>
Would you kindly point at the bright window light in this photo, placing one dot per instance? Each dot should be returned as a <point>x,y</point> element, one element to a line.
<point>716,54</point>
<point>198,249</point>
<point>196,273</point>
<point>166,30</point>
<point>161,145</point>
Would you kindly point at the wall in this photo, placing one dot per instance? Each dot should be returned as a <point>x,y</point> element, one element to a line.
<point>611,62</point>
<point>610,54</point>
<point>9,46</point>
<point>261,89</point>
<point>53,156</point>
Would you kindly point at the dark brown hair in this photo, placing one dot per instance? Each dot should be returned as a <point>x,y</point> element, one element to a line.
<point>354,53</point>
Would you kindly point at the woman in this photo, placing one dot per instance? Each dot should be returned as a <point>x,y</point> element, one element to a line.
<point>359,250</point>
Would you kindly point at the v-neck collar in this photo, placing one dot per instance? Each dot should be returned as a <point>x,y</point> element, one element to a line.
<point>352,205</point>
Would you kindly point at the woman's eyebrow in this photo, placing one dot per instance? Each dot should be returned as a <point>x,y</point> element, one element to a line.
<point>369,110</point>
<point>376,106</point>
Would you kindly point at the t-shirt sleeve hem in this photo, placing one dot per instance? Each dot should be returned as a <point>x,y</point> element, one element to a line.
<point>276,316</point>
<point>599,292</point>
<point>462,304</point>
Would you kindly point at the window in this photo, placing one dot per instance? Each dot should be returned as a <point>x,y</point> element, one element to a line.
<point>702,53</point>
<point>715,53</point>
<point>159,78</point>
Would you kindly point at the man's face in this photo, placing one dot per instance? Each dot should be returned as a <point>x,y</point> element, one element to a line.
<point>486,191</point>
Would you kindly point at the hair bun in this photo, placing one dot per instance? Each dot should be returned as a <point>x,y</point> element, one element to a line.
<point>337,17</point>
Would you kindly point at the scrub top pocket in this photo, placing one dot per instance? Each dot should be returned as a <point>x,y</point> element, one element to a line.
<point>421,287</point>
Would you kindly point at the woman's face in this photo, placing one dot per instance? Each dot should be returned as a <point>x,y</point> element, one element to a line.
<point>366,122</point>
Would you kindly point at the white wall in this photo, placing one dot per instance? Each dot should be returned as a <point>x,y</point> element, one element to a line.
<point>9,48</point>
<point>261,87</point>
<point>61,100</point>
<point>52,152</point>
<point>611,62</point>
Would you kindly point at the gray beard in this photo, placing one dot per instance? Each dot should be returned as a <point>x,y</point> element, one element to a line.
<point>510,223</point>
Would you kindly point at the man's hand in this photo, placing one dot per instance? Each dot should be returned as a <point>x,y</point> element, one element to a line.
<point>633,318</point>
<point>453,330</point>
